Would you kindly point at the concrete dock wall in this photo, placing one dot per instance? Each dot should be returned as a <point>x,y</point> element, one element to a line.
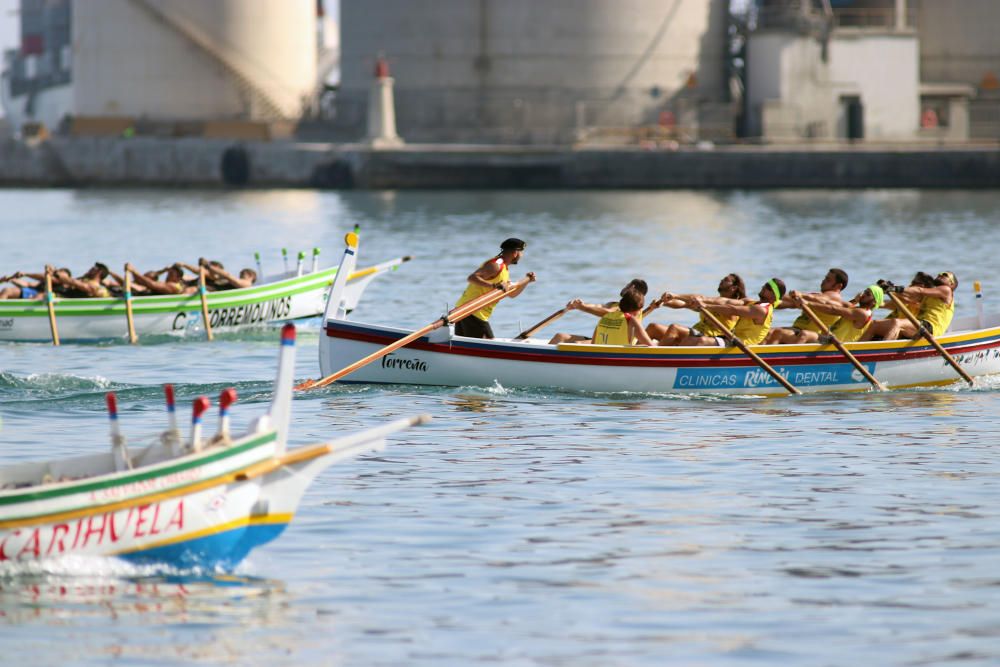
<point>81,162</point>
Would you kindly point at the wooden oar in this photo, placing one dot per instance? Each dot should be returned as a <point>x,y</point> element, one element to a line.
<point>528,333</point>
<point>128,307</point>
<point>750,353</point>
<point>929,337</point>
<point>203,292</point>
<point>454,315</point>
<point>840,346</point>
<point>50,301</point>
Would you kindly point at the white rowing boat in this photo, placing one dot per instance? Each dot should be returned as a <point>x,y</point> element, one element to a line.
<point>443,359</point>
<point>183,503</point>
<point>280,298</point>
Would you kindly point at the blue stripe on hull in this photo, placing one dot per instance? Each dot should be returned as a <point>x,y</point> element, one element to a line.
<point>224,550</point>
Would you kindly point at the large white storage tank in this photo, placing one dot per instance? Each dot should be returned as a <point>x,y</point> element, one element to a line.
<point>530,71</point>
<point>194,59</point>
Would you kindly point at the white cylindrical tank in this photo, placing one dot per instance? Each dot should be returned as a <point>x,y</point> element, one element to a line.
<point>194,59</point>
<point>524,70</point>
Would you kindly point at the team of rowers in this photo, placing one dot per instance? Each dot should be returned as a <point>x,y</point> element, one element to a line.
<point>930,298</point>
<point>100,281</point>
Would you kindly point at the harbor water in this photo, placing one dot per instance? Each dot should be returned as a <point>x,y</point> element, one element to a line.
<point>533,527</point>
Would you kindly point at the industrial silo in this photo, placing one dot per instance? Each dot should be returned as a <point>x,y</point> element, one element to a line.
<point>194,59</point>
<point>524,71</point>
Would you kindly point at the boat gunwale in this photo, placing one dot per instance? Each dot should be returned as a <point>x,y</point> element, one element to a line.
<point>170,466</point>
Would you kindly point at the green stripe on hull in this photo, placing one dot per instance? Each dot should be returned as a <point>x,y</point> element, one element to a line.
<point>142,305</point>
<point>139,476</point>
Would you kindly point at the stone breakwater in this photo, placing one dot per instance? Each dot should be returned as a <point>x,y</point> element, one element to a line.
<point>146,162</point>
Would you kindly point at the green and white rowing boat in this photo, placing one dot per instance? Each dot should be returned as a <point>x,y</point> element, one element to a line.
<point>284,297</point>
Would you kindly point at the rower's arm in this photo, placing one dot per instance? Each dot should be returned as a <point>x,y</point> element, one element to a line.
<point>639,332</point>
<point>80,285</point>
<point>530,275</point>
<point>942,292</point>
<point>485,274</point>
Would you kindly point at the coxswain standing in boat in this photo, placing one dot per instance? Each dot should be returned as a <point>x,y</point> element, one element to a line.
<point>730,287</point>
<point>937,308</point>
<point>754,317</point>
<point>600,310</point>
<point>849,321</point>
<point>493,274</point>
<point>803,327</point>
<point>623,325</point>
<point>172,283</point>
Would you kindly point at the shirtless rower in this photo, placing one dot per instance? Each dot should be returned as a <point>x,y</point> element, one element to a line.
<point>600,310</point>
<point>22,289</point>
<point>492,274</point>
<point>754,316</point>
<point>803,327</point>
<point>217,279</point>
<point>89,285</point>
<point>730,287</point>
<point>937,309</point>
<point>172,283</point>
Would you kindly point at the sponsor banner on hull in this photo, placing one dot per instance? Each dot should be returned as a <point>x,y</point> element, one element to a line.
<point>814,375</point>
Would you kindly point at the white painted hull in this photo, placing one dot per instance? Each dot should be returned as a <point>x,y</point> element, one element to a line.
<point>591,368</point>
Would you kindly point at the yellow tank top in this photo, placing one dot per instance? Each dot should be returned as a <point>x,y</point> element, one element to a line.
<point>709,329</point>
<point>613,330</point>
<point>102,291</point>
<point>937,313</point>
<point>845,331</point>
<point>749,331</point>
<point>473,290</point>
<point>805,323</point>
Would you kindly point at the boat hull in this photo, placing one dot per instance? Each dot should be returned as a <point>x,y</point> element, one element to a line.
<point>82,320</point>
<point>458,361</point>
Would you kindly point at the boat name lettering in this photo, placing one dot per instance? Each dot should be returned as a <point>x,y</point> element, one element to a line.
<point>974,357</point>
<point>7,323</point>
<point>140,521</point>
<point>252,313</point>
<point>392,361</point>
<point>751,378</point>
<point>122,491</point>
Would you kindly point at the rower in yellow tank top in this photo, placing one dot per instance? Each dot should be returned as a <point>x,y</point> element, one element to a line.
<point>754,317</point>
<point>623,326</point>
<point>803,329</point>
<point>851,320</point>
<point>936,311</point>
<point>492,274</point>
<point>599,310</point>
<point>731,287</point>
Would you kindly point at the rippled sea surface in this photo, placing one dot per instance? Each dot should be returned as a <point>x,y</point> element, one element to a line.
<point>535,527</point>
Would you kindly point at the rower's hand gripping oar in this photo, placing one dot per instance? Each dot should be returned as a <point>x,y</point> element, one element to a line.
<point>840,346</point>
<point>454,315</point>
<point>710,316</point>
<point>923,332</point>
<point>528,333</point>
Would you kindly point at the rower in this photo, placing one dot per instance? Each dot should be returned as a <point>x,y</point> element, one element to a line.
<point>730,287</point>
<point>492,274</point>
<point>849,320</point>
<point>831,287</point>
<point>600,310</point>
<point>623,326</point>
<point>936,311</point>
<point>754,317</point>
<point>223,280</point>
<point>22,289</point>
<point>172,283</point>
<point>91,284</point>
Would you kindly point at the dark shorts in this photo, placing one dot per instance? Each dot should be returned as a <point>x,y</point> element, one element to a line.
<point>927,325</point>
<point>473,327</point>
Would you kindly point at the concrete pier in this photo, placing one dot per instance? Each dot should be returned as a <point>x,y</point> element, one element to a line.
<point>140,161</point>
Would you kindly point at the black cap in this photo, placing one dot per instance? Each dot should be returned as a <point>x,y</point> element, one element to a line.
<point>513,244</point>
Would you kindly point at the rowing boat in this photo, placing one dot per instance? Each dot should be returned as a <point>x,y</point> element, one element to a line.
<point>444,359</point>
<point>288,296</point>
<point>181,502</point>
